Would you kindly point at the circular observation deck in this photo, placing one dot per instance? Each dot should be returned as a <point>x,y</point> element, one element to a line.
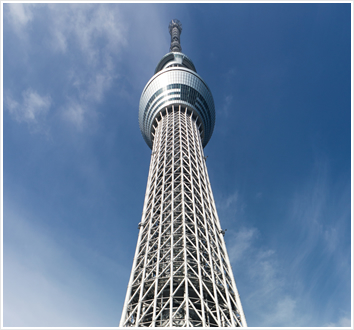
<point>176,83</point>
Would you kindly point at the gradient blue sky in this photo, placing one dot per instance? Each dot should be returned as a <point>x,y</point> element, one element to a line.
<point>75,164</point>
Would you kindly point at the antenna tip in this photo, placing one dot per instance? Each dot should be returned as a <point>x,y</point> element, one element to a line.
<point>175,23</point>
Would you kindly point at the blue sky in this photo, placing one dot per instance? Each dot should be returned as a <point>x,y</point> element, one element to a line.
<point>75,164</point>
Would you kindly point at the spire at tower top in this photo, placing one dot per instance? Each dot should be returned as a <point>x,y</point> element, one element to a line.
<point>175,29</point>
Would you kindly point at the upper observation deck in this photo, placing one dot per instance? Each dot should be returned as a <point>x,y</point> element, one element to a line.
<point>176,82</point>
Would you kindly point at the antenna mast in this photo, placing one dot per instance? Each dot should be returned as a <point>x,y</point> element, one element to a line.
<point>175,29</point>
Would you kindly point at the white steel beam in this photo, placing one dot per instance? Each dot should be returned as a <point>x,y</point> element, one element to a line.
<point>181,273</point>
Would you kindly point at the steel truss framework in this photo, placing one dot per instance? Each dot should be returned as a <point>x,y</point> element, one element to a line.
<point>181,273</point>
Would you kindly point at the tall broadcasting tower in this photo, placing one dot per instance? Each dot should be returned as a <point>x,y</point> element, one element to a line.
<point>181,275</point>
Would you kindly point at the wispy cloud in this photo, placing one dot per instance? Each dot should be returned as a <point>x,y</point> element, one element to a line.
<point>32,108</point>
<point>243,240</point>
<point>284,313</point>
<point>343,322</point>
<point>226,104</point>
<point>319,215</point>
<point>19,16</point>
<point>88,37</point>
<point>98,34</point>
<point>261,266</point>
<point>74,113</point>
<point>281,286</point>
<point>87,42</point>
<point>230,205</point>
<point>86,25</point>
<point>48,283</point>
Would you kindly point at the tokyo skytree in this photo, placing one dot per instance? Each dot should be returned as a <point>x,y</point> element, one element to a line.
<point>181,274</point>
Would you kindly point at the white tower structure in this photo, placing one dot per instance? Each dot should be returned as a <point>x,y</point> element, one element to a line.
<point>181,274</point>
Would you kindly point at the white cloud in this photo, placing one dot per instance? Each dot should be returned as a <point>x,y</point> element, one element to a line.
<point>45,284</point>
<point>32,109</point>
<point>268,290</point>
<point>331,237</point>
<point>20,15</point>
<point>232,204</point>
<point>283,314</point>
<point>227,102</point>
<point>231,199</point>
<point>261,266</point>
<point>34,105</point>
<point>319,215</point>
<point>281,289</point>
<point>74,113</point>
<point>88,37</point>
<point>242,241</point>
<point>97,32</point>
<point>342,322</point>
<point>84,26</point>
<point>99,82</point>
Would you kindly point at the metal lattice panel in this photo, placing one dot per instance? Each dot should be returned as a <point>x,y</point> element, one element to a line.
<point>181,273</point>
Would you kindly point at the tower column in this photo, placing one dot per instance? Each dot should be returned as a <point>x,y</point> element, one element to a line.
<point>181,274</point>
<point>180,277</point>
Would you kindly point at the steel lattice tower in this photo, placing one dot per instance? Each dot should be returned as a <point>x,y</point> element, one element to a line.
<point>181,274</point>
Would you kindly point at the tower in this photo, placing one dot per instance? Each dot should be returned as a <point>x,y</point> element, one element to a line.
<point>181,274</point>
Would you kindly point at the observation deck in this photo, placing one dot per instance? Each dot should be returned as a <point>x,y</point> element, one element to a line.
<point>176,82</point>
